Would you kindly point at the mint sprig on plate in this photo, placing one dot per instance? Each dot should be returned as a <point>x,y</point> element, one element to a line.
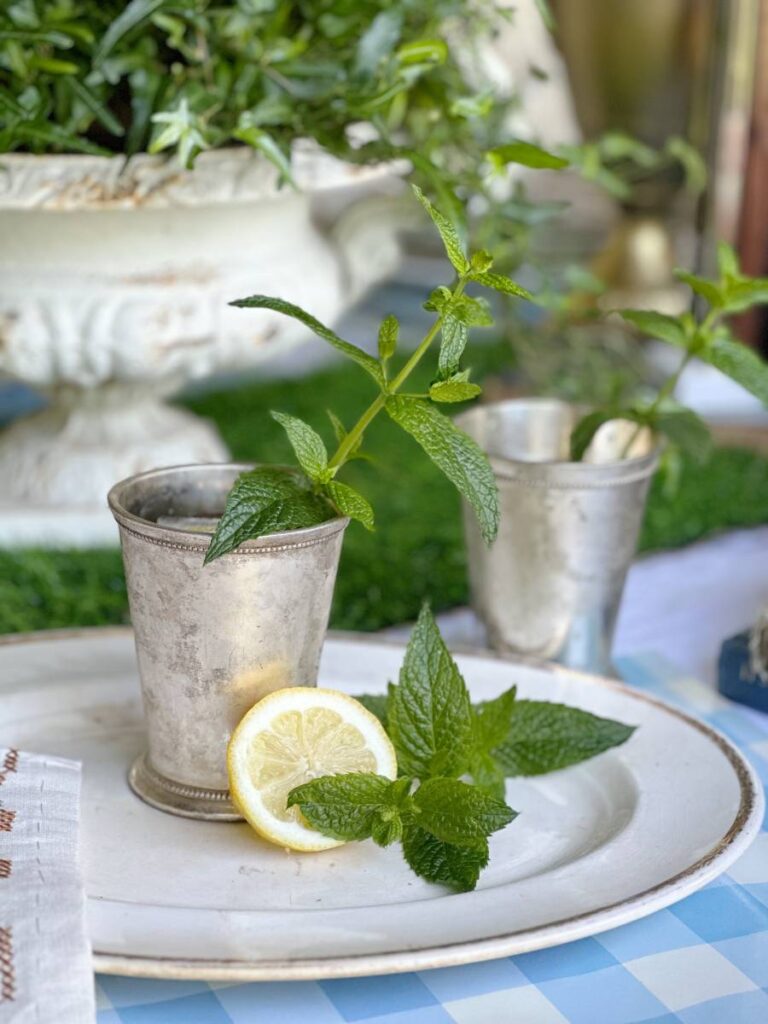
<point>442,821</point>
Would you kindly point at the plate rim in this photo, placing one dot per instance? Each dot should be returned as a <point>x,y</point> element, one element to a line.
<point>743,829</point>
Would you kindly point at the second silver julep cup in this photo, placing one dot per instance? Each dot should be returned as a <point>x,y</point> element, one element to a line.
<point>211,640</point>
<point>551,584</point>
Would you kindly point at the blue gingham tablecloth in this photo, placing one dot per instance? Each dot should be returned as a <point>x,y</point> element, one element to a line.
<point>701,961</point>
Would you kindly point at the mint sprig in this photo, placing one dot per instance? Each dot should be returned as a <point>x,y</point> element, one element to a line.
<point>453,451</point>
<point>442,821</point>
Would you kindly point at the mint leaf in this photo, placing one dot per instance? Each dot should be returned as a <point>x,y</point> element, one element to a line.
<point>544,737</point>
<point>455,453</point>
<point>429,714</point>
<point>455,389</point>
<point>457,867</point>
<point>453,341</point>
<point>656,325</point>
<point>503,284</point>
<point>350,503</point>
<point>450,236</point>
<point>526,154</point>
<point>368,363</point>
<point>473,312</point>
<point>376,703</point>
<point>265,500</point>
<point>727,260</point>
<point>491,720</point>
<point>585,430</point>
<point>456,812</point>
<point>745,292</point>
<point>487,774</point>
<point>388,335</point>
<point>351,806</point>
<point>738,362</point>
<point>701,286</point>
<point>306,443</point>
<point>685,429</point>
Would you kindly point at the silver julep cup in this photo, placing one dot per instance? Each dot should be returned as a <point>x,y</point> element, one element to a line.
<point>551,584</point>
<point>213,640</point>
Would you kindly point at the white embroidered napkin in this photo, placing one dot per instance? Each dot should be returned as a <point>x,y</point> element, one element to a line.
<point>45,958</point>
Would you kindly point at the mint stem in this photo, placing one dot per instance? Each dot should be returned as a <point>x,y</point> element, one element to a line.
<point>348,444</point>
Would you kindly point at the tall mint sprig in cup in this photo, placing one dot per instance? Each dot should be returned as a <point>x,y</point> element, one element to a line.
<point>269,499</point>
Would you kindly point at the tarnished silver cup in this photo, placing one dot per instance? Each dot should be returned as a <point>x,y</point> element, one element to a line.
<point>213,640</point>
<point>551,584</point>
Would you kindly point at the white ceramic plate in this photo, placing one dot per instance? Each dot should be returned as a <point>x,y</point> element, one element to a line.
<point>595,846</point>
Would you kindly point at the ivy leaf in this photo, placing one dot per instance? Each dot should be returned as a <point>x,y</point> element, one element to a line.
<point>450,236</point>
<point>525,154</point>
<point>368,363</point>
<point>454,389</point>
<point>307,445</point>
<point>455,453</point>
<point>350,503</point>
<point>544,737</point>
<point>657,325</point>
<point>429,717</point>
<point>388,335</point>
<point>268,499</point>
<point>738,362</point>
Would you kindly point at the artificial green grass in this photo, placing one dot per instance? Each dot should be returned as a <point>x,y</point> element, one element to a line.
<point>417,549</point>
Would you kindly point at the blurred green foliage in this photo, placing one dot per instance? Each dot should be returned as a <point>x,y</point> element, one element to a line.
<point>416,553</point>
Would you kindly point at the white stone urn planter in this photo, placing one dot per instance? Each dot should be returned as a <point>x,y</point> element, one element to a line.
<point>115,278</point>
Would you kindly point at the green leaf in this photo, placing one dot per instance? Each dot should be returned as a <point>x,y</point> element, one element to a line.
<point>727,260</point>
<point>455,453</point>
<point>307,445</point>
<point>545,737</point>
<point>457,812</point>
<point>346,806</point>
<point>457,867</point>
<point>429,717</point>
<point>480,262</point>
<point>454,389</point>
<point>368,363</point>
<point>684,429</point>
<point>745,293</point>
<point>473,312</point>
<point>423,51</point>
<point>701,286</point>
<point>657,325</point>
<point>265,500</point>
<point>487,774</point>
<point>740,363</point>
<point>259,139</point>
<point>491,720</point>
<point>585,430</point>
<point>503,284</point>
<point>136,12</point>
<point>526,154</point>
<point>453,340</point>
<point>378,41</point>
<point>96,107</point>
<point>691,160</point>
<point>350,503</point>
<point>376,703</point>
<point>450,236</point>
<point>388,335</point>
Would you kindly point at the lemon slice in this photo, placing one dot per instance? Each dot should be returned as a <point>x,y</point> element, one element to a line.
<point>293,736</point>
